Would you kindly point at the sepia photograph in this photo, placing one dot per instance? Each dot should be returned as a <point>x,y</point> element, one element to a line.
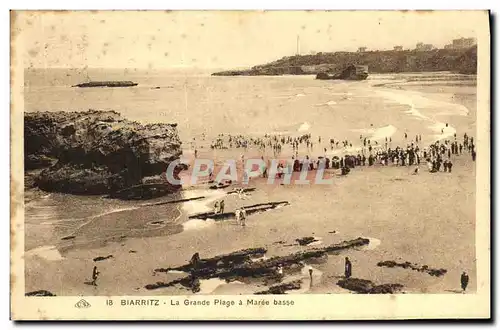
<point>252,158</point>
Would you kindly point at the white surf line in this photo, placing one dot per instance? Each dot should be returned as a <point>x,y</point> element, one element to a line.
<point>197,224</point>
<point>92,218</point>
<point>415,101</point>
<point>304,127</point>
<point>383,132</point>
<point>403,100</point>
<point>47,252</point>
<point>202,205</point>
<point>326,104</point>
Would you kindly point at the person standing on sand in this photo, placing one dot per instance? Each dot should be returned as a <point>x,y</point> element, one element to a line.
<point>243,217</point>
<point>464,281</point>
<point>280,272</point>
<point>445,166</point>
<point>237,213</point>
<point>216,207</point>
<point>311,274</point>
<point>347,268</point>
<point>195,259</point>
<point>95,274</point>
<point>221,206</point>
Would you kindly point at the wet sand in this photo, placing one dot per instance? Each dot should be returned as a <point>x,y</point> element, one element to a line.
<point>427,219</point>
<point>374,202</point>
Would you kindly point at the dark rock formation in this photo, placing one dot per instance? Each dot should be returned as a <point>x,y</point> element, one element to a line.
<point>366,286</point>
<point>40,293</point>
<point>107,84</point>
<point>223,261</point>
<point>408,265</point>
<point>103,258</point>
<point>250,209</point>
<point>243,190</point>
<point>351,72</point>
<point>98,152</point>
<point>240,266</point>
<point>33,162</point>
<point>282,288</point>
<point>306,240</point>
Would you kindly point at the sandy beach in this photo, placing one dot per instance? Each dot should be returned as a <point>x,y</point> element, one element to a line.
<point>426,219</point>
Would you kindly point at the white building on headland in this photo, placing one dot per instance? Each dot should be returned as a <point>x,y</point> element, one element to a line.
<point>424,47</point>
<point>461,43</point>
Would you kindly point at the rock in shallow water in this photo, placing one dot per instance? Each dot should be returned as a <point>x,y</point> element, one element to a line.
<point>97,152</point>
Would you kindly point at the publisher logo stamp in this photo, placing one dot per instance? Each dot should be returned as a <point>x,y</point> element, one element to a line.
<point>82,304</point>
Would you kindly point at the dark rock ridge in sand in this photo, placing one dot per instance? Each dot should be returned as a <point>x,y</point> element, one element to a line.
<point>239,265</point>
<point>282,288</point>
<point>250,209</point>
<point>365,286</point>
<point>116,83</point>
<point>40,293</point>
<point>306,240</point>
<point>103,258</point>
<point>223,261</point>
<point>408,265</point>
<point>98,152</point>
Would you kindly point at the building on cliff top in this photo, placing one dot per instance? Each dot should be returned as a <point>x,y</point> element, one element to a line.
<point>424,47</point>
<point>461,43</point>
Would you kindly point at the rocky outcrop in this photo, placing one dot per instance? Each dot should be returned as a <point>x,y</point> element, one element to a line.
<point>221,261</point>
<point>379,61</point>
<point>247,264</point>
<point>365,286</point>
<point>107,84</point>
<point>282,288</point>
<point>97,152</point>
<point>102,258</point>
<point>40,293</point>
<point>250,209</point>
<point>306,240</point>
<point>408,265</point>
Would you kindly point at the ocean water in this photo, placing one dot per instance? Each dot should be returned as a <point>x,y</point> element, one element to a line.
<point>204,107</point>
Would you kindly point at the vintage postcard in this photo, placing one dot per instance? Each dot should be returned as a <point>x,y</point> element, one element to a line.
<point>250,165</point>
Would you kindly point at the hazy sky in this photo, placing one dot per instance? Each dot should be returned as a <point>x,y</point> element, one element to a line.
<point>204,39</point>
